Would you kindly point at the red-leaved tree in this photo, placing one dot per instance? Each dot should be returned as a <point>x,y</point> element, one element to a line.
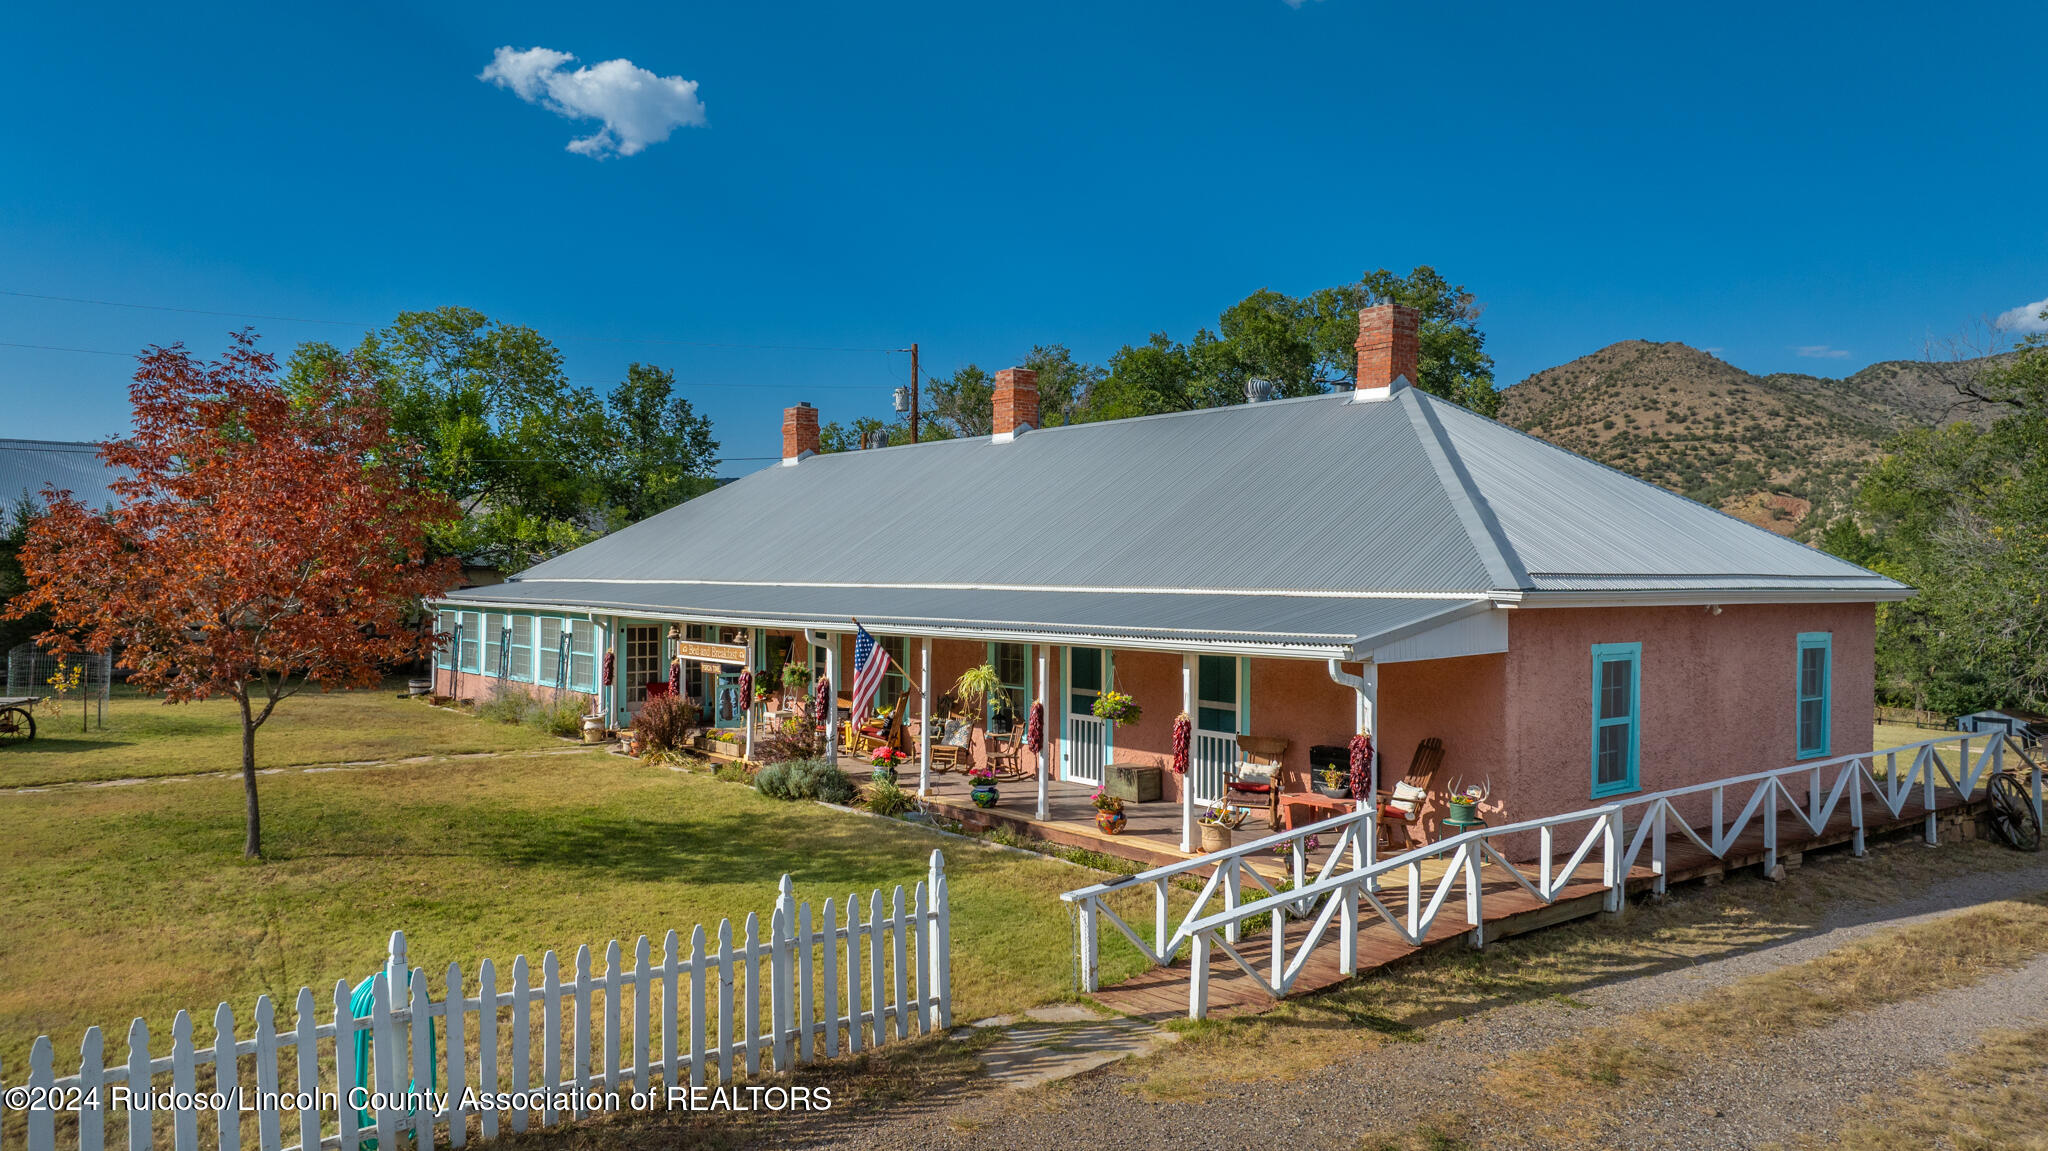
<point>266,540</point>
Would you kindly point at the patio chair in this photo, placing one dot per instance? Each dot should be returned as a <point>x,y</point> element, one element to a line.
<point>1256,775</point>
<point>1004,752</point>
<point>1401,804</point>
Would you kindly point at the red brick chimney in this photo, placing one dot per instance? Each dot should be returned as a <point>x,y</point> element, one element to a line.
<point>799,432</point>
<point>1388,345</point>
<point>1016,403</point>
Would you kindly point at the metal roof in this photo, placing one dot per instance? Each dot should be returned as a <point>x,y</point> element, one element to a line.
<point>1304,523</point>
<point>27,465</point>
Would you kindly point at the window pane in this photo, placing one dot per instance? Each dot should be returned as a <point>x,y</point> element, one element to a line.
<point>549,656</point>
<point>1615,702</point>
<point>1812,725</point>
<point>522,648</point>
<point>1085,669</point>
<point>583,655</point>
<point>471,624</point>
<point>1813,671</point>
<point>489,636</point>
<point>1216,679</point>
<point>1216,719</point>
<point>445,624</point>
<point>1611,766</point>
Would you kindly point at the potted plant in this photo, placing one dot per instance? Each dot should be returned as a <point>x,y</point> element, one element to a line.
<point>1215,829</point>
<point>985,793</point>
<point>1331,782</point>
<point>885,761</point>
<point>1109,812</point>
<point>795,678</point>
<point>975,687</point>
<point>1114,707</point>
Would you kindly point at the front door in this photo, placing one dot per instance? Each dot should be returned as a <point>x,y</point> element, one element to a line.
<point>1219,704</point>
<point>643,662</point>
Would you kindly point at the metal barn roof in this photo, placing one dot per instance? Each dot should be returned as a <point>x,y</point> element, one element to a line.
<point>27,465</point>
<point>1305,523</point>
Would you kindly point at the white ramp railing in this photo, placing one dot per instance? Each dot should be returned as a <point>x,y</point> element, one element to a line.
<point>723,1009</point>
<point>1806,798</point>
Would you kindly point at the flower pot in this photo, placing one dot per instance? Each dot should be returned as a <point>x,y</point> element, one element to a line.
<point>883,775</point>
<point>420,686</point>
<point>1214,838</point>
<point>1111,822</point>
<point>593,729</point>
<point>985,795</point>
<point>1341,791</point>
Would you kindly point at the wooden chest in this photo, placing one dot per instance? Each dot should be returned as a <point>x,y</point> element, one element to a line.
<point>1135,783</point>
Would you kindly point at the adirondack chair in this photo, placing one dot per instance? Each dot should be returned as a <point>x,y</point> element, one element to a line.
<point>1401,804</point>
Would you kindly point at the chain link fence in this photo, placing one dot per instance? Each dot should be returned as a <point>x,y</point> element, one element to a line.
<point>32,671</point>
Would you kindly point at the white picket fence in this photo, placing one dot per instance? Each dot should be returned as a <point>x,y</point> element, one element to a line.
<point>471,1057</point>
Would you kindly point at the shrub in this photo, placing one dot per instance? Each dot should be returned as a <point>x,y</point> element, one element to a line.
<point>561,716</point>
<point>805,779</point>
<point>664,723</point>
<point>885,798</point>
<point>794,739</point>
<point>506,705</point>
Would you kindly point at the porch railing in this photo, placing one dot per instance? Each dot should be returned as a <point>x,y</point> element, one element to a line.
<point>1215,754</point>
<point>1087,749</point>
<point>1960,764</point>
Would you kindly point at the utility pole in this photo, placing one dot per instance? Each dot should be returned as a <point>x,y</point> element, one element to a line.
<point>914,389</point>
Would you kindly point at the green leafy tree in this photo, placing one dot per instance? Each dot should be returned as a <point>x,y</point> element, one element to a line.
<point>1305,346</point>
<point>662,452</point>
<point>1962,514</point>
<point>14,531</point>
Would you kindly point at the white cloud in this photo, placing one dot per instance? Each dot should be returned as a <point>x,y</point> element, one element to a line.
<point>2025,319</point>
<point>1820,352</point>
<point>1298,3</point>
<point>637,107</point>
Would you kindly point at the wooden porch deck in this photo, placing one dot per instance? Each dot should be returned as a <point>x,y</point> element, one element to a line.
<point>1509,909</point>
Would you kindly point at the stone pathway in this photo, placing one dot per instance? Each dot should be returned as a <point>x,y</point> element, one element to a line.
<point>1059,1041</point>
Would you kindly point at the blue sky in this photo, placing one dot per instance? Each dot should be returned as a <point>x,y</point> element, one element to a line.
<point>1843,180</point>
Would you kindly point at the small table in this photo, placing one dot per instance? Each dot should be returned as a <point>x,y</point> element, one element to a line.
<point>1313,803</point>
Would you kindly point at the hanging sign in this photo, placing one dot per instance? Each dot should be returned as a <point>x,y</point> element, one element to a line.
<point>712,652</point>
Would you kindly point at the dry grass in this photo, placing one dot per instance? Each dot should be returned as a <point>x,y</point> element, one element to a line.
<point>1893,967</point>
<point>1992,1098</point>
<point>145,737</point>
<point>1692,925</point>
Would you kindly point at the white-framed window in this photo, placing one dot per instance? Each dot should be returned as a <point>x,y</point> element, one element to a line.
<point>444,625</point>
<point>549,653</point>
<point>470,648</point>
<point>1012,662</point>
<point>895,681</point>
<point>582,655</point>
<point>522,648</point>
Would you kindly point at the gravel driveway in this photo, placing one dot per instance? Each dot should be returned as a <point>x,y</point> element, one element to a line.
<point>1759,1098</point>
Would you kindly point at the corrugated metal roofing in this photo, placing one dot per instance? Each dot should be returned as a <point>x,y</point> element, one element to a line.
<point>1091,528</point>
<point>1247,621</point>
<point>27,465</point>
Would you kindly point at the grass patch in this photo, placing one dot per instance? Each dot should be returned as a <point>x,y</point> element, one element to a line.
<point>145,737</point>
<point>1992,1098</point>
<point>1892,967</point>
<point>135,901</point>
<point>1690,926</point>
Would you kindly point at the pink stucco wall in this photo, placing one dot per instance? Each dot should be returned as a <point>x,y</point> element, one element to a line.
<point>1718,694</point>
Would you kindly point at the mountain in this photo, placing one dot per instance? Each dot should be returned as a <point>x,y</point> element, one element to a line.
<point>1784,451</point>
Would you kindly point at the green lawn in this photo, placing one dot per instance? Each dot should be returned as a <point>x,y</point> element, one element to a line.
<point>147,737</point>
<point>134,900</point>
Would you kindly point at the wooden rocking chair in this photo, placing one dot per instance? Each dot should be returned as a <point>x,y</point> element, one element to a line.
<point>1401,804</point>
<point>1005,753</point>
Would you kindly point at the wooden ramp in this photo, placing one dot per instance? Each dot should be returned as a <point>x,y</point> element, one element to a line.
<point>1163,992</point>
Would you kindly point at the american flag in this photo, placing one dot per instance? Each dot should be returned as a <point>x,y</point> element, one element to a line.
<point>870,664</point>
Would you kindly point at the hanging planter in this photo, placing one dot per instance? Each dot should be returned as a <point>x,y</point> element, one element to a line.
<point>1116,708</point>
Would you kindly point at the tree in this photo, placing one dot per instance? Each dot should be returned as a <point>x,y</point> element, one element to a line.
<point>501,430</point>
<point>1961,513</point>
<point>662,452</point>
<point>1304,346</point>
<point>14,524</point>
<point>267,539</point>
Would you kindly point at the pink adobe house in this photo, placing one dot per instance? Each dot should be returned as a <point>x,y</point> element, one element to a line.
<point>1294,568</point>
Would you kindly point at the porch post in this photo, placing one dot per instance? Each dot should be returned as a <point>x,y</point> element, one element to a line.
<point>1187,782</point>
<point>924,717</point>
<point>1043,696</point>
<point>832,698</point>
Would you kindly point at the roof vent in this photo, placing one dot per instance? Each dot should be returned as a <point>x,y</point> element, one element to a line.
<point>1258,390</point>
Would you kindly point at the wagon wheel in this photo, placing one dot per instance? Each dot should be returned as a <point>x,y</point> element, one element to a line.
<point>2012,814</point>
<point>16,725</point>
